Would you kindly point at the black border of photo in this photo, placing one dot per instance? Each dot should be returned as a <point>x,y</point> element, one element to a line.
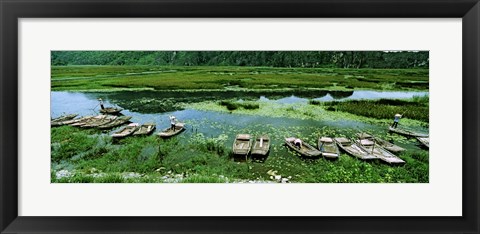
<point>12,10</point>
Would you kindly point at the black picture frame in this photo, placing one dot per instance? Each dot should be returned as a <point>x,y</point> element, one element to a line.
<point>11,11</point>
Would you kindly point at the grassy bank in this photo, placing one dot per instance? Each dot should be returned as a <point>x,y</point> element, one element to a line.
<point>81,156</point>
<point>108,78</point>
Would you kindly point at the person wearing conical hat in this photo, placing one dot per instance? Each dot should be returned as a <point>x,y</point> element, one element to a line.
<point>172,122</point>
<point>101,103</point>
<point>396,120</point>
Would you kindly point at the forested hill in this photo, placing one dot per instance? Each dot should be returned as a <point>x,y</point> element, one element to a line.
<point>341,59</point>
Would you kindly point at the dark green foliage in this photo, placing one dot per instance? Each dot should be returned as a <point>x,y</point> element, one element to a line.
<point>342,59</point>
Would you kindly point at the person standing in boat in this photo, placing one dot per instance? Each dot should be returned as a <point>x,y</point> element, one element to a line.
<point>396,120</point>
<point>173,121</point>
<point>298,143</point>
<point>101,103</point>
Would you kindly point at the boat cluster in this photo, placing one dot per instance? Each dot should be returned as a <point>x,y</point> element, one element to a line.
<point>364,147</point>
<point>110,121</point>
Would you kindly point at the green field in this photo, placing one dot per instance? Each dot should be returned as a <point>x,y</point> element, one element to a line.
<point>108,78</point>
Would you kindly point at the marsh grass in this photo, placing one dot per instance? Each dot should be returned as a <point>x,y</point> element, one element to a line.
<point>220,77</point>
<point>416,108</point>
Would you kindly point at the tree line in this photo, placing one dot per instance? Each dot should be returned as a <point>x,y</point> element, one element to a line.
<point>333,59</point>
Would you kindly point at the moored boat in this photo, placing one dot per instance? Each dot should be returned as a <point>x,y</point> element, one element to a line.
<point>111,110</point>
<point>87,120</point>
<point>379,152</point>
<point>101,121</point>
<point>405,132</point>
<point>261,145</point>
<point>169,132</point>
<point>126,131</point>
<point>60,120</point>
<point>353,149</point>
<point>304,150</point>
<point>242,145</point>
<point>425,141</point>
<point>380,142</point>
<point>327,146</point>
<point>145,129</point>
<point>117,122</point>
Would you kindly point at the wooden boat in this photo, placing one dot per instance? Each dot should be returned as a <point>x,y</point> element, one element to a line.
<point>353,149</point>
<point>382,143</point>
<point>98,122</point>
<point>73,121</point>
<point>261,145</point>
<point>327,146</point>
<point>406,132</point>
<point>425,141</point>
<point>117,122</point>
<point>379,152</point>
<point>59,120</point>
<point>169,132</point>
<point>126,131</point>
<point>62,119</point>
<point>305,150</point>
<point>242,145</point>
<point>145,129</point>
<point>111,110</point>
<point>87,120</point>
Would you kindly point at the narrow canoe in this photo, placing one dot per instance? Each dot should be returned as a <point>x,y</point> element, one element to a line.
<point>382,143</point>
<point>59,120</point>
<point>145,129</point>
<point>407,132</point>
<point>381,153</point>
<point>305,150</point>
<point>105,120</point>
<point>425,141</point>
<point>73,121</point>
<point>87,120</point>
<point>111,110</point>
<point>242,144</point>
<point>169,132</point>
<point>327,146</point>
<point>261,146</point>
<point>126,131</point>
<point>353,149</point>
<point>117,122</point>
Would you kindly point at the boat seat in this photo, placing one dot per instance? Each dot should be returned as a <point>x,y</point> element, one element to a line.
<point>367,142</point>
<point>326,139</point>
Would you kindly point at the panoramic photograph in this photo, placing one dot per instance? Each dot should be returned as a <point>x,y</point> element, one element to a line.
<point>239,117</point>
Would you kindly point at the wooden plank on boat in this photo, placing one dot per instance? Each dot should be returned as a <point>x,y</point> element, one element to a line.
<point>382,143</point>
<point>261,146</point>
<point>59,121</point>
<point>117,122</point>
<point>242,145</point>
<point>305,149</point>
<point>405,132</point>
<point>380,152</point>
<point>145,129</point>
<point>101,121</point>
<point>328,147</point>
<point>425,141</point>
<point>353,149</point>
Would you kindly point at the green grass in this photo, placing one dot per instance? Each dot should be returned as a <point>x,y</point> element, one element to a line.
<point>201,159</point>
<point>233,105</point>
<point>416,108</point>
<point>84,78</point>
